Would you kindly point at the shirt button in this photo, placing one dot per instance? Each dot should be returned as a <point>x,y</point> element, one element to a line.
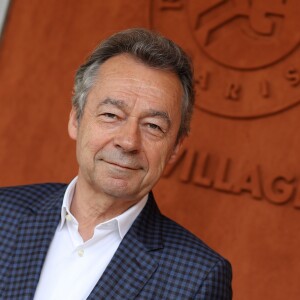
<point>80,252</point>
<point>68,217</point>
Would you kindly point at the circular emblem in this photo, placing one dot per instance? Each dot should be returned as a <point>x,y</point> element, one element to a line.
<point>251,34</point>
<point>245,52</point>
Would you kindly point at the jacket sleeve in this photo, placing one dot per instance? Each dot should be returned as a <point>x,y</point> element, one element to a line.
<point>217,285</point>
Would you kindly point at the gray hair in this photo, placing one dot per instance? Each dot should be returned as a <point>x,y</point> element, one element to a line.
<point>150,48</point>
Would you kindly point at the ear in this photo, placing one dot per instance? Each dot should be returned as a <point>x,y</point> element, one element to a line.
<point>175,152</point>
<point>73,124</point>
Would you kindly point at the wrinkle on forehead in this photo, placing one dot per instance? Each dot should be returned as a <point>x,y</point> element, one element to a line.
<point>124,106</point>
<point>130,66</point>
<point>139,87</point>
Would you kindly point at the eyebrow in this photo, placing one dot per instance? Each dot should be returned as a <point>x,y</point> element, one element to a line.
<point>161,114</point>
<point>118,103</point>
<point>150,113</point>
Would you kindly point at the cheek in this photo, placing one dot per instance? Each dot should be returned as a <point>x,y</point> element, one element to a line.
<point>157,159</point>
<point>93,141</point>
<point>94,145</point>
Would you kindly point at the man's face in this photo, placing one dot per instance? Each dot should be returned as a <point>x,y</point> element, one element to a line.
<point>128,129</point>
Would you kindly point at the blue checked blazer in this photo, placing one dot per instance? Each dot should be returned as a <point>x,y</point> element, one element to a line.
<point>156,260</point>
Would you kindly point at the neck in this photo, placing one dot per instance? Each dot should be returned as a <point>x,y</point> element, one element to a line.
<point>91,208</point>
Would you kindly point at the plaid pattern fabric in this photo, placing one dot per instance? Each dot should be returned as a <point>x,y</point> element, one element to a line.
<point>156,260</point>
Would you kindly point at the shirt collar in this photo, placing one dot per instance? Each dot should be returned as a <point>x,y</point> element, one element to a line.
<point>68,196</point>
<point>124,221</point>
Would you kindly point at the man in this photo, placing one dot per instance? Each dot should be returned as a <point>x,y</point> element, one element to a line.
<point>102,236</point>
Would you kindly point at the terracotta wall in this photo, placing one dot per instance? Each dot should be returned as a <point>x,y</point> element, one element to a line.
<point>236,182</point>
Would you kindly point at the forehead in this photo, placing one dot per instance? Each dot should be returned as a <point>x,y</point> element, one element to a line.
<point>125,76</point>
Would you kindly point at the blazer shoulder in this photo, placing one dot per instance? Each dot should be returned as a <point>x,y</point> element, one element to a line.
<point>187,267</point>
<point>25,198</point>
<point>179,241</point>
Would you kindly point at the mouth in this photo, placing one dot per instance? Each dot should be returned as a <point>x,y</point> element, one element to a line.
<point>122,165</point>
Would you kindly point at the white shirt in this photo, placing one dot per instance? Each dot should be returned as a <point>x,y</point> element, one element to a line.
<point>72,267</point>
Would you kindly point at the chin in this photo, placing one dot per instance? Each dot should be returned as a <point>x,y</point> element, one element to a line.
<point>118,190</point>
<point>121,195</point>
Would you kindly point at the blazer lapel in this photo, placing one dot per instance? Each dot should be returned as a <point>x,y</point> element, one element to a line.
<point>34,235</point>
<point>132,265</point>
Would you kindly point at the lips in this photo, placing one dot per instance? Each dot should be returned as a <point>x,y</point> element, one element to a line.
<point>120,160</point>
<point>122,165</point>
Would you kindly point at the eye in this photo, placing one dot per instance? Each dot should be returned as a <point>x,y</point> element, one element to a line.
<point>154,127</point>
<point>110,115</point>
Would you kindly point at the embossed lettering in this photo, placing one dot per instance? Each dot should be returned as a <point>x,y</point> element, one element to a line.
<point>233,91</point>
<point>188,166</point>
<point>279,190</point>
<point>202,80</point>
<point>187,157</point>
<point>200,177</point>
<point>250,182</point>
<point>221,177</point>
<point>293,76</point>
<point>202,169</point>
<point>265,89</point>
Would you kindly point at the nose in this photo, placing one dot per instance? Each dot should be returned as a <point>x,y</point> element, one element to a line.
<point>128,136</point>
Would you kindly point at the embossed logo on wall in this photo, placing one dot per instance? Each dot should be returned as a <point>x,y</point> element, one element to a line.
<point>246,55</point>
<point>246,49</point>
